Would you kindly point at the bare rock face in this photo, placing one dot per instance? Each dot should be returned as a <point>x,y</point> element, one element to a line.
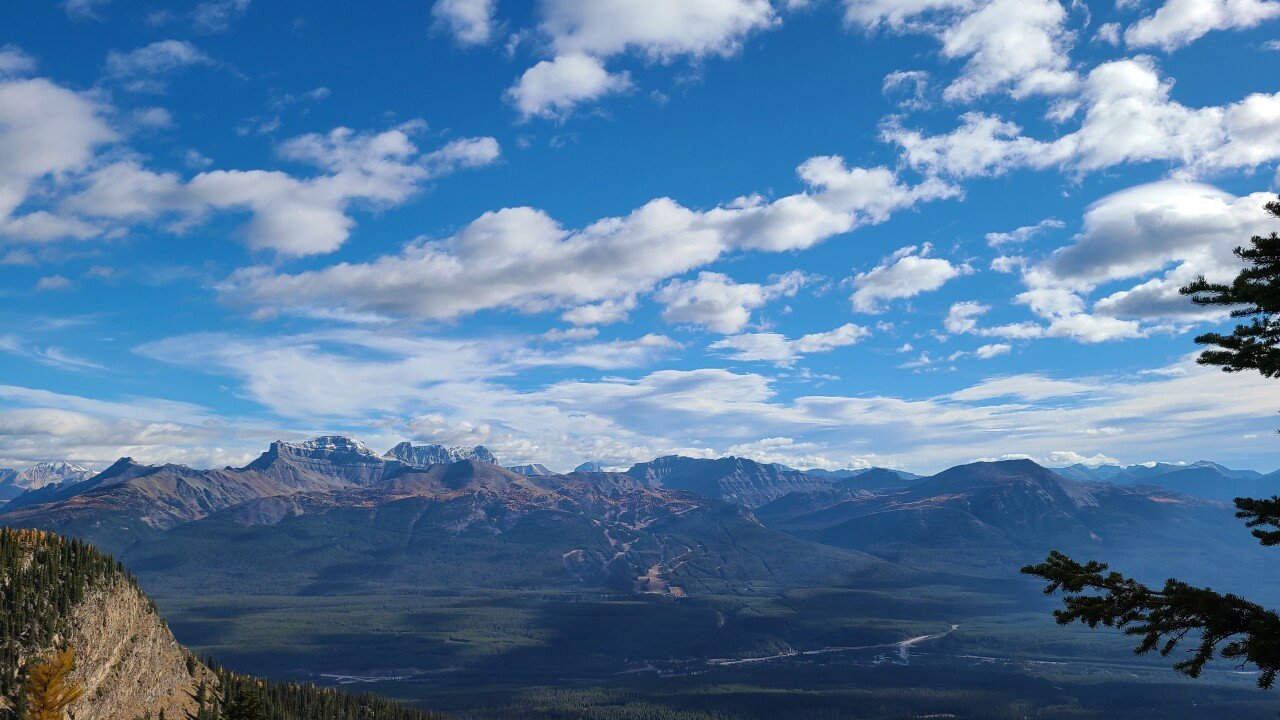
<point>127,661</point>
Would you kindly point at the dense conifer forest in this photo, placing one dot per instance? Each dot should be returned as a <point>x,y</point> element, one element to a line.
<point>243,697</point>
<point>42,577</point>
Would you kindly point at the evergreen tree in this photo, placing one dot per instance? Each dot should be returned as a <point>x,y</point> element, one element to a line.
<point>246,705</point>
<point>1224,625</point>
<point>49,688</point>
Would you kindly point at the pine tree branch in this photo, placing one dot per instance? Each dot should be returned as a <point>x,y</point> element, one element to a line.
<point>1224,625</point>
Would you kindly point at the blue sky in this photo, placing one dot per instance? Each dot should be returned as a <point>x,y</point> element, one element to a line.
<point>827,233</point>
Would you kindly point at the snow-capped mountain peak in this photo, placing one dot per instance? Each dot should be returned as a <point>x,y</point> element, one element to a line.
<point>53,472</point>
<point>426,455</point>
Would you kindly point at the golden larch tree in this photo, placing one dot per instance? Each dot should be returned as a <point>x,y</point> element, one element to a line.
<point>49,688</point>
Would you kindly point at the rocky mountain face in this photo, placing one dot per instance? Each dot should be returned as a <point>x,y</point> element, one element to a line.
<point>531,470</point>
<point>127,661</point>
<point>425,455</point>
<point>589,467</point>
<point>732,479</point>
<point>129,500</point>
<point>65,595</point>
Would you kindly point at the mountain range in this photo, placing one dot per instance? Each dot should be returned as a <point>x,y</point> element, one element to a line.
<point>674,558</point>
<point>1201,479</point>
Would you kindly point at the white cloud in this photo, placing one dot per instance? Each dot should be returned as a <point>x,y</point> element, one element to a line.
<point>1016,46</point>
<point>1129,117</point>
<point>611,355</point>
<point>46,355</point>
<point>792,453</point>
<point>215,16</point>
<point>46,132</point>
<point>152,118</point>
<point>1030,387</point>
<point>1180,22</point>
<point>290,216</point>
<point>83,9</point>
<point>553,88</point>
<point>1108,33</point>
<point>38,425</point>
<point>584,33</point>
<point>15,62</point>
<point>716,302</point>
<point>53,282</point>
<point>661,30</point>
<point>910,87</point>
<point>604,312</point>
<point>1059,458</point>
<point>906,273</point>
<point>986,352</point>
<point>1024,233</point>
<point>1175,230</point>
<point>441,387</point>
<point>776,348</point>
<point>963,316</point>
<point>145,69</point>
<point>469,21</point>
<point>520,258</point>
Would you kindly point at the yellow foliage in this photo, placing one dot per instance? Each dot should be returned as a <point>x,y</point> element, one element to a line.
<point>49,688</point>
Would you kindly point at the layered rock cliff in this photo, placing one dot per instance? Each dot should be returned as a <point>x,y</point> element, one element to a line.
<point>127,661</point>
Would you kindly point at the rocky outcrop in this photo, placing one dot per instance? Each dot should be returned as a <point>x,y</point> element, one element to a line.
<point>127,661</point>
<point>531,470</point>
<point>736,480</point>
<point>427,455</point>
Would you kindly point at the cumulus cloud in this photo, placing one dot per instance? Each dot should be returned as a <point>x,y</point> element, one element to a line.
<point>38,425</point>
<point>962,318</point>
<point>46,132</point>
<point>1177,23</point>
<point>1155,238</point>
<point>662,30</point>
<point>716,302</point>
<point>469,21</point>
<point>604,312</point>
<point>584,33</point>
<point>290,215</point>
<point>986,352</point>
<point>553,88</point>
<point>776,348</point>
<point>522,259</point>
<point>1164,234</point>
<point>906,273</point>
<point>1015,46</point>
<point>1129,117</point>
